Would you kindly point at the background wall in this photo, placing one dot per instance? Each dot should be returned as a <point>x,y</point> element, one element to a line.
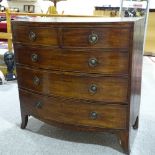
<point>152,4</point>
<point>80,7</point>
<point>69,7</point>
<point>84,6</point>
<point>41,6</point>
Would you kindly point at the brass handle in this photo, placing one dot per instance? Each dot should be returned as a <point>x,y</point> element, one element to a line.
<point>93,38</point>
<point>32,36</point>
<point>93,89</point>
<point>39,105</point>
<point>93,115</point>
<point>34,57</point>
<point>93,62</point>
<point>36,80</point>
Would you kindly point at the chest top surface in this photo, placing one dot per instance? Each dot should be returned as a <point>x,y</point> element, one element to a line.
<point>75,20</point>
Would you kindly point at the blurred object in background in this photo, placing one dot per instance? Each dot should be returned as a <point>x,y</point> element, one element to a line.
<point>130,13</point>
<point>2,8</point>
<point>106,11</point>
<point>14,9</point>
<point>53,9</point>
<point>134,8</point>
<point>56,1</point>
<point>10,63</point>
<point>2,78</point>
<point>29,8</point>
<point>3,4</point>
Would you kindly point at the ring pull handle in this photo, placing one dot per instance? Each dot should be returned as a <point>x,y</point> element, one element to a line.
<point>93,115</point>
<point>93,38</point>
<point>93,62</point>
<point>36,81</point>
<point>93,89</point>
<point>34,57</point>
<point>38,104</point>
<point>32,36</point>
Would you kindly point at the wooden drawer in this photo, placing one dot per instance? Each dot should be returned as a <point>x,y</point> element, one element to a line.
<point>90,61</point>
<point>74,112</point>
<point>103,37</point>
<point>79,86</point>
<point>35,35</point>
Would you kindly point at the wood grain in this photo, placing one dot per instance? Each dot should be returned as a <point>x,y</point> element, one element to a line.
<point>60,87</point>
<point>44,35</point>
<point>73,112</point>
<point>113,62</point>
<point>70,85</point>
<point>107,37</point>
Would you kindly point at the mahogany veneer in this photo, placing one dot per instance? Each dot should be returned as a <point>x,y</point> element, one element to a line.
<point>81,73</point>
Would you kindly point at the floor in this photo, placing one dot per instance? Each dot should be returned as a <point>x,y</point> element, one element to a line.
<point>42,139</point>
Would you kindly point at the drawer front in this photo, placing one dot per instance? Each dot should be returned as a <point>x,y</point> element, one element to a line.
<point>79,86</point>
<point>74,112</point>
<point>90,61</point>
<point>96,37</point>
<point>35,35</point>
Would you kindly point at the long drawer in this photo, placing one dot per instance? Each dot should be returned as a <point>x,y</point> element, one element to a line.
<point>80,86</point>
<point>68,37</point>
<point>90,61</point>
<point>74,112</point>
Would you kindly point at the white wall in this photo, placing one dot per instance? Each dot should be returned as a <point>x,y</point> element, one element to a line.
<point>152,4</point>
<point>40,5</point>
<point>84,6</point>
<point>69,7</point>
<point>4,3</point>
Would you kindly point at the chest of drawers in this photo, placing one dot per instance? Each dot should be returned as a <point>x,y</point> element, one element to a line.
<point>80,73</point>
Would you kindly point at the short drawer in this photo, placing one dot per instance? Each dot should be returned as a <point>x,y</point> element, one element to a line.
<point>80,86</point>
<point>104,37</point>
<point>90,61</point>
<point>35,35</point>
<point>74,112</point>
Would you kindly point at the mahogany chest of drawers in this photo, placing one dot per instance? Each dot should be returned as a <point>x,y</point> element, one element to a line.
<point>81,73</point>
